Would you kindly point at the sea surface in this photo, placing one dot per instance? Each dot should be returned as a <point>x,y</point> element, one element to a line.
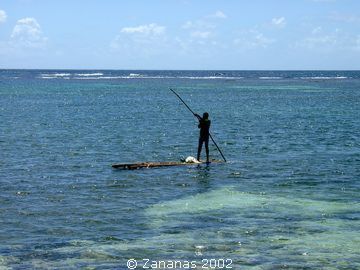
<point>288,197</point>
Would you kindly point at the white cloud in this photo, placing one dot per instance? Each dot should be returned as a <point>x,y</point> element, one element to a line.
<point>278,22</point>
<point>324,41</point>
<point>316,30</point>
<point>201,46</point>
<point>218,15</point>
<point>27,33</point>
<point>143,40</point>
<point>319,42</point>
<point>201,34</point>
<point>199,24</point>
<point>188,25</point>
<point>3,16</point>
<point>253,39</point>
<point>347,18</point>
<point>199,30</point>
<point>148,29</point>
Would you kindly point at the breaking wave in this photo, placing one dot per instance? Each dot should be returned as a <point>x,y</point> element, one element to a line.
<point>54,75</point>
<point>114,75</point>
<point>140,76</point>
<point>89,74</point>
<point>324,78</point>
<point>270,78</point>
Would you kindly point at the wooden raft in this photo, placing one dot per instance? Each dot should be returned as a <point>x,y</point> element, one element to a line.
<point>134,166</point>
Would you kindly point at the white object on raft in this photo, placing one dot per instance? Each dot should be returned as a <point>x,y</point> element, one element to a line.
<point>191,159</point>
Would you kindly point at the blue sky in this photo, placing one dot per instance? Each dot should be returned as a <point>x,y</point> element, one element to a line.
<point>180,34</point>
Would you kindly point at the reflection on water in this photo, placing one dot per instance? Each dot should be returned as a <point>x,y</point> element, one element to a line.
<point>203,178</point>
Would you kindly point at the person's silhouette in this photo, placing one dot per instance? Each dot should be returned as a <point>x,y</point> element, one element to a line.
<point>204,125</point>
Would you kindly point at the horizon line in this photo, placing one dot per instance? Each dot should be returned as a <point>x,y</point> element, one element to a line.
<point>110,69</point>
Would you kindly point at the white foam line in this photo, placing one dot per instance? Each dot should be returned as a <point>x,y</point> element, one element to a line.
<point>48,77</point>
<point>158,77</point>
<point>270,78</point>
<point>55,74</point>
<point>211,78</point>
<point>52,77</point>
<point>324,78</point>
<point>89,74</point>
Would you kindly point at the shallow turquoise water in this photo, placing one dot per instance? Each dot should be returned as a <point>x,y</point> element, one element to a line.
<point>287,199</point>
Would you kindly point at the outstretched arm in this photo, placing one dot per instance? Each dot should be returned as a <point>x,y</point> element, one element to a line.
<point>198,116</point>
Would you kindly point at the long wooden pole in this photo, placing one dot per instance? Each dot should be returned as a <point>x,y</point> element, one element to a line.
<point>195,116</point>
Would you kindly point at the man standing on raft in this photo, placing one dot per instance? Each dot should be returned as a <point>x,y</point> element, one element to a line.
<point>204,125</point>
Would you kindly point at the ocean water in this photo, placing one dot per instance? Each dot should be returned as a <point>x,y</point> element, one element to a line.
<point>288,198</point>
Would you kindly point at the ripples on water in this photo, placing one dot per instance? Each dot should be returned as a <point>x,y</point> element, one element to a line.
<point>288,198</point>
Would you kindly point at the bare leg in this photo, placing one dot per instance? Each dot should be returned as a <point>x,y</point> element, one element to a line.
<point>199,149</point>
<point>207,150</point>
